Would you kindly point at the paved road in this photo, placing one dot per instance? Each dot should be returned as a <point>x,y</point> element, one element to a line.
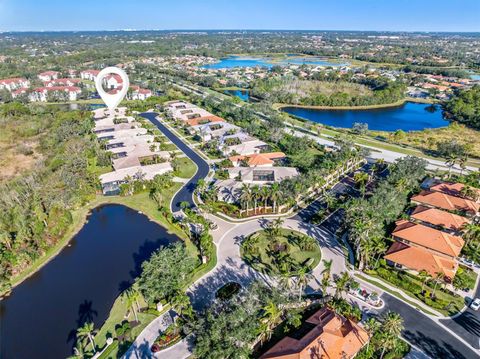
<point>467,324</point>
<point>432,338</point>
<point>185,194</point>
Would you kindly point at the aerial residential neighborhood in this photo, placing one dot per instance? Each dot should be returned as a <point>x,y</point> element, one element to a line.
<point>256,180</point>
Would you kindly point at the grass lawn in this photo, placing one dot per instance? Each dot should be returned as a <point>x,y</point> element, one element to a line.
<point>117,316</point>
<point>268,253</point>
<point>186,168</point>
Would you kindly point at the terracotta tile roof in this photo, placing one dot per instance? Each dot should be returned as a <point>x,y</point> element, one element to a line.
<point>445,201</point>
<point>437,217</point>
<point>199,120</point>
<point>328,336</point>
<point>419,259</point>
<point>452,189</point>
<point>259,159</point>
<point>428,238</point>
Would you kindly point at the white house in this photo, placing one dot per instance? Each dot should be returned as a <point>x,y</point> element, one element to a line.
<point>42,94</point>
<point>48,75</point>
<point>14,84</point>
<point>137,93</point>
<point>112,81</point>
<point>62,82</point>
<point>90,75</point>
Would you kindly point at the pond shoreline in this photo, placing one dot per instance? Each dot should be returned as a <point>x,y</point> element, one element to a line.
<point>80,218</point>
<point>280,106</point>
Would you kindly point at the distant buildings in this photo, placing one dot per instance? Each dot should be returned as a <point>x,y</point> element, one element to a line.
<point>44,94</point>
<point>14,84</point>
<point>48,75</point>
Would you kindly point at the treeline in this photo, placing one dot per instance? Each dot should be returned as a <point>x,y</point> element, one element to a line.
<point>285,90</point>
<point>36,206</point>
<point>464,107</point>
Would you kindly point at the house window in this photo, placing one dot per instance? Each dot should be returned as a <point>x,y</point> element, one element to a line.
<point>263,176</point>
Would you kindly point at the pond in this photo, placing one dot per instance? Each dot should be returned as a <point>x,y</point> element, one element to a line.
<point>408,117</point>
<point>40,317</point>
<point>241,94</point>
<point>240,61</point>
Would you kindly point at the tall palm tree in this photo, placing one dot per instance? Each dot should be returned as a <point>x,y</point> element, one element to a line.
<point>276,224</point>
<point>246,195</point>
<point>87,331</point>
<point>265,196</point>
<point>275,195</point>
<point>303,276</point>
<point>272,314</point>
<point>424,277</point>
<point>256,196</point>
<point>361,179</point>
<point>439,277</point>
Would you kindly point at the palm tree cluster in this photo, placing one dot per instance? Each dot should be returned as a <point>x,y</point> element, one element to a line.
<point>367,219</point>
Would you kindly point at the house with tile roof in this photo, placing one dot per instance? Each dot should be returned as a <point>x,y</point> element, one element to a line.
<point>455,189</point>
<point>48,75</point>
<point>440,219</point>
<point>447,202</point>
<point>14,84</point>
<point>258,159</point>
<point>325,334</point>
<point>418,247</point>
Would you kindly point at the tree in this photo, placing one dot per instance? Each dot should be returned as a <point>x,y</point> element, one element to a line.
<point>265,196</point>
<point>275,195</point>
<point>342,283</point>
<point>165,273</point>
<point>256,195</point>
<point>424,276</point>
<point>133,295</point>
<point>87,331</point>
<point>452,151</point>
<point>371,326</point>
<point>303,276</point>
<point>390,330</point>
<point>245,196</point>
<point>438,278</point>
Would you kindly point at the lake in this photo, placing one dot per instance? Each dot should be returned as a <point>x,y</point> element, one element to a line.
<point>408,117</point>
<point>40,317</point>
<point>239,61</point>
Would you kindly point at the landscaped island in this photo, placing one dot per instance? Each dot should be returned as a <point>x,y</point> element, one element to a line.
<point>277,251</point>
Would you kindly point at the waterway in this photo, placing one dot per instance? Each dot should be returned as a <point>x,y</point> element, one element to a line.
<point>240,61</point>
<point>408,117</point>
<point>241,94</point>
<point>40,317</point>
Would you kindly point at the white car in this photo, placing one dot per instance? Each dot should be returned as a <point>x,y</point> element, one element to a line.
<point>475,304</point>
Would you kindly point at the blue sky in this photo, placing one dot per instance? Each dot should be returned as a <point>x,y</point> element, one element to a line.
<point>408,15</point>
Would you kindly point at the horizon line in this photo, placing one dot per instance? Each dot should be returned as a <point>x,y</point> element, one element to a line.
<point>247,30</point>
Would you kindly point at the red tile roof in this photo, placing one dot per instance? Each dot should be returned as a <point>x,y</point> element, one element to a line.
<point>427,237</point>
<point>419,259</point>
<point>437,217</point>
<point>445,201</point>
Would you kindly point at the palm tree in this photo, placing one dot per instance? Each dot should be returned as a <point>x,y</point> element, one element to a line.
<point>424,277</point>
<point>361,179</point>
<point>276,224</point>
<point>371,326</point>
<point>271,315</point>
<point>303,276</point>
<point>285,280</point>
<point>87,331</point>
<point>342,283</point>
<point>256,195</point>
<point>450,161</point>
<point>391,328</point>
<point>133,295</point>
<point>265,196</point>
<point>439,277</point>
<point>275,194</point>
<point>201,186</point>
<point>246,195</point>
<point>329,199</point>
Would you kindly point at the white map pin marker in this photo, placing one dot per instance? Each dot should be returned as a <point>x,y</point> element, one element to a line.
<point>112,100</point>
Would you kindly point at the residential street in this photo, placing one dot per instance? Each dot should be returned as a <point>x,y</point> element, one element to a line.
<point>425,333</point>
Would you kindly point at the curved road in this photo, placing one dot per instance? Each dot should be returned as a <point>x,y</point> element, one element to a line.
<point>185,194</point>
<point>434,339</point>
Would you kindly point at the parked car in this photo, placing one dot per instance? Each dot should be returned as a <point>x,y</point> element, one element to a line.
<point>475,304</point>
